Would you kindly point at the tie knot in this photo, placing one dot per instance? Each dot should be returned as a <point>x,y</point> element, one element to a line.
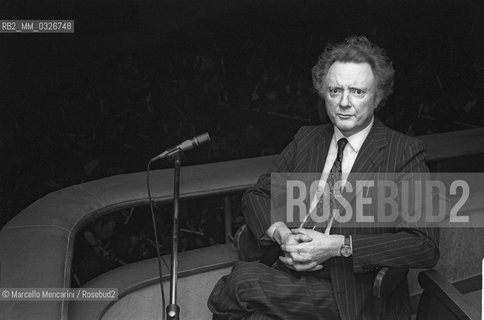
<point>341,146</point>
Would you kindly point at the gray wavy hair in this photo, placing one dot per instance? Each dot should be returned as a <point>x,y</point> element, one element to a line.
<point>357,49</point>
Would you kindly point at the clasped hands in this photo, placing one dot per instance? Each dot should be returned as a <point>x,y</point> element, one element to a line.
<point>306,249</point>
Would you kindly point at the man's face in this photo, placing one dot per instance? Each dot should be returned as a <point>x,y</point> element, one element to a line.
<point>350,96</point>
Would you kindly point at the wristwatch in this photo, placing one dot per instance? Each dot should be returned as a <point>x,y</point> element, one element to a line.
<point>347,248</point>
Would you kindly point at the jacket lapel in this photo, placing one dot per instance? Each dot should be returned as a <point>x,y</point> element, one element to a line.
<point>319,150</point>
<point>370,157</point>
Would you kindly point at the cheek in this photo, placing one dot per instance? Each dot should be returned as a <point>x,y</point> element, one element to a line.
<point>364,106</point>
<point>330,103</point>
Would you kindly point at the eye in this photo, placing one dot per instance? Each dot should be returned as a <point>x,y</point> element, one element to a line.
<point>358,92</point>
<point>334,91</point>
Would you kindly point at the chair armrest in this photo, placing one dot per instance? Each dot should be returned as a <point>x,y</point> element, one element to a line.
<point>385,283</point>
<point>249,249</point>
<point>246,245</point>
<point>239,238</point>
<point>387,280</point>
<point>441,299</point>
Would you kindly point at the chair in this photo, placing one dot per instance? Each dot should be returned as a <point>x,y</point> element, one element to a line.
<point>386,280</point>
<point>441,300</point>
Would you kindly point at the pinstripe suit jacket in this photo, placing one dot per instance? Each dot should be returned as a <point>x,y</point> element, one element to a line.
<point>384,150</point>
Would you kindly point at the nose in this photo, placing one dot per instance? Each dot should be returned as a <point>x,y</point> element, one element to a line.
<point>345,100</point>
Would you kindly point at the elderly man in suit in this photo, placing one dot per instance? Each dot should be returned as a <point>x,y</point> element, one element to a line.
<point>329,275</point>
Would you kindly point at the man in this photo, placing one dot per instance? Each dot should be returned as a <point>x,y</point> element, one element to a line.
<point>329,274</point>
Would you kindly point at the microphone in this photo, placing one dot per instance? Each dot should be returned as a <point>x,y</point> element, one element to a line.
<point>185,145</point>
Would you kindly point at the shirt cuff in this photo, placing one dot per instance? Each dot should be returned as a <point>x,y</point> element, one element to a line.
<point>272,229</point>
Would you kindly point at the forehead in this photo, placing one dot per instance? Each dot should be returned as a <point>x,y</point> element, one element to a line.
<point>350,74</point>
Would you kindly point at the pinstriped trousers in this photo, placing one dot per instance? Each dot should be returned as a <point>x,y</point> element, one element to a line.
<point>255,291</point>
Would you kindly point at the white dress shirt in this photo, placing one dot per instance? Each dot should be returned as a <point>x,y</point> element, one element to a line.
<point>350,152</point>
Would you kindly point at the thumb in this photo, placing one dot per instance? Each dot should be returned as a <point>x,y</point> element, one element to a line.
<point>299,231</point>
<point>317,267</point>
<point>302,237</point>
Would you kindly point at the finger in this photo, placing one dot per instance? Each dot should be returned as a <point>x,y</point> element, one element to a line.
<point>301,237</point>
<point>300,258</point>
<point>299,231</point>
<point>291,247</point>
<point>316,268</point>
<point>304,266</point>
<point>286,260</point>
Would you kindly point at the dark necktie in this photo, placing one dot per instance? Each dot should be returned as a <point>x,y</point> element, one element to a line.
<point>335,173</point>
<point>334,176</point>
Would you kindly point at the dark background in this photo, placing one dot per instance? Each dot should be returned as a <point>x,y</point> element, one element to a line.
<point>139,76</point>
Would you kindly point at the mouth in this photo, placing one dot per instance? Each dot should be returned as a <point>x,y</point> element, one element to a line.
<point>343,116</point>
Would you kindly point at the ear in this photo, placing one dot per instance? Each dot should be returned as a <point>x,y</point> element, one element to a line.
<point>378,99</point>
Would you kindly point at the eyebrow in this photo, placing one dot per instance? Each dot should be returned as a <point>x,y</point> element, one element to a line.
<point>352,87</point>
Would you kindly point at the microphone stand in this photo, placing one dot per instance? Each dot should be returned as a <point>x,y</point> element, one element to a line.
<point>173,310</point>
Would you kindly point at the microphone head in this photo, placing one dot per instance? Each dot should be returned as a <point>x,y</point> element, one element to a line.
<point>201,139</point>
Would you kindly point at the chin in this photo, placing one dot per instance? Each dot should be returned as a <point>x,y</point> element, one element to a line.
<point>346,132</point>
<point>343,126</point>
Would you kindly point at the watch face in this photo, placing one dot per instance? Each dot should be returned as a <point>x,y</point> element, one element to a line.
<point>346,251</point>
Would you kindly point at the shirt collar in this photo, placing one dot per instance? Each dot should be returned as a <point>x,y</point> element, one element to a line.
<point>355,140</point>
